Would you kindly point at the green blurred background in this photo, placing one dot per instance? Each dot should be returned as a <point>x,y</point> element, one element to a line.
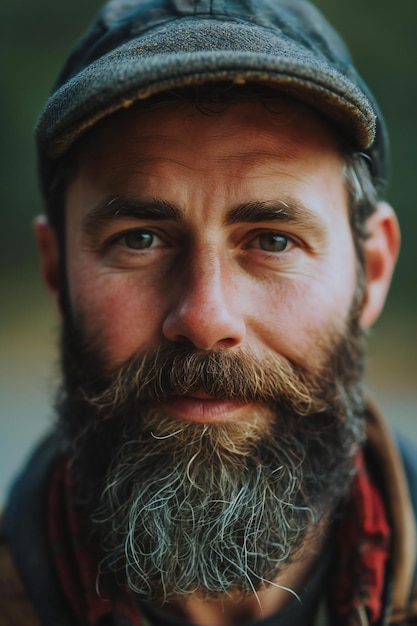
<point>35,37</point>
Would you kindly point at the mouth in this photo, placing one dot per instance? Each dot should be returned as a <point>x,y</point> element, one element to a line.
<point>199,407</point>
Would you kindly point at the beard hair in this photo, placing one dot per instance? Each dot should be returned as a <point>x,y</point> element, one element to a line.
<point>183,507</point>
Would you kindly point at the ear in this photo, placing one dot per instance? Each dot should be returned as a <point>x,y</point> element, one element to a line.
<point>48,249</point>
<point>380,254</point>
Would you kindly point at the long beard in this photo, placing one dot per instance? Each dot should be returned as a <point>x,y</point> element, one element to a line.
<point>183,507</point>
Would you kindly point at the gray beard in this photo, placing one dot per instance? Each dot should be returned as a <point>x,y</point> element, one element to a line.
<point>182,507</point>
<point>216,509</point>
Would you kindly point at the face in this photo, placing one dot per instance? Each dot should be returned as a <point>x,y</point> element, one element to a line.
<point>212,347</point>
<point>213,231</point>
<point>211,276</point>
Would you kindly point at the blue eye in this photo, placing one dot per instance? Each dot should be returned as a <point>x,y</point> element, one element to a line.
<point>271,242</point>
<point>138,239</point>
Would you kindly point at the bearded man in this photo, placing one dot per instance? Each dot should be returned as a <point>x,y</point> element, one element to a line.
<point>217,246</point>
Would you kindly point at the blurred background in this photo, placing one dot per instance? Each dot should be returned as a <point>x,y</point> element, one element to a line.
<point>35,38</point>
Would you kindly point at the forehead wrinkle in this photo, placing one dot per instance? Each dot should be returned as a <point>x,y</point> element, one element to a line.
<point>139,148</point>
<point>256,158</point>
<point>139,170</point>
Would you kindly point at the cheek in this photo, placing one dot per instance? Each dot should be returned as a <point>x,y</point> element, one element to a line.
<point>300,315</point>
<point>124,315</point>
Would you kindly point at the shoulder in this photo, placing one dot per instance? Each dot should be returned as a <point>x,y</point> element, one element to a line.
<point>25,555</point>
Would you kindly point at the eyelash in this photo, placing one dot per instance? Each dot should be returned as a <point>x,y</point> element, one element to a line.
<point>289,242</point>
<point>118,239</point>
<point>279,238</point>
<point>146,237</point>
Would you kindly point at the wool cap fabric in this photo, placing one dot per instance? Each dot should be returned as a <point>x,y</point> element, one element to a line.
<point>138,48</point>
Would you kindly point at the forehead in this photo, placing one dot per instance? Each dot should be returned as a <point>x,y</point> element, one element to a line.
<point>238,150</point>
<point>238,126</point>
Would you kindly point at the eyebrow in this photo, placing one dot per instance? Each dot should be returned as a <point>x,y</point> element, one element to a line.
<point>116,208</point>
<point>289,210</point>
<point>285,211</point>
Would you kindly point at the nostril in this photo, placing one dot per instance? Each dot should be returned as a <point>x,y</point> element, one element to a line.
<point>230,342</point>
<point>188,326</point>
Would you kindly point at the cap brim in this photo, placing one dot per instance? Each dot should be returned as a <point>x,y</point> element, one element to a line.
<point>195,51</point>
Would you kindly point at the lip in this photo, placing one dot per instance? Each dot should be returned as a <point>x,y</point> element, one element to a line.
<point>202,408</point>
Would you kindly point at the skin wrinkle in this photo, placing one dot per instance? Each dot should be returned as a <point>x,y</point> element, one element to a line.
<point>362,197</point>
<point>280,121</point>
<point>286,211</point>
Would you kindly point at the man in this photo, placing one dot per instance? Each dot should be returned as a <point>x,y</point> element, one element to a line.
<point>217,247</point>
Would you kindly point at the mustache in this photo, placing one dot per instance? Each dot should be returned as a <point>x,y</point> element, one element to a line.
<point>221,374</point>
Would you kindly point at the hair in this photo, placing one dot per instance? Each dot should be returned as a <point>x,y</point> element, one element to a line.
<point>211,99</point>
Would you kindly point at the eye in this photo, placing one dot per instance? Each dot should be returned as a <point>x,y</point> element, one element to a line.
<point>139,239</point>
<point>271,242</point>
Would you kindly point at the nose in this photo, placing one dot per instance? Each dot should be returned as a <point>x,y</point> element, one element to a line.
<point>207,310</point>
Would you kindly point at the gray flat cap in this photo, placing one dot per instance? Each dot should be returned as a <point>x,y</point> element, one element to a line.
<point>138,48</point>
